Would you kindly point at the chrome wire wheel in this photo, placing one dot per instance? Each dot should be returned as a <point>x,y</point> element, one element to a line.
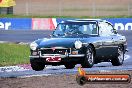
<point>89,56</point>
<point>120,55</point>
<point>88,61</point>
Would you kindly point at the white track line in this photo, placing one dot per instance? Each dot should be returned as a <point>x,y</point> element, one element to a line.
<point>34,76</point>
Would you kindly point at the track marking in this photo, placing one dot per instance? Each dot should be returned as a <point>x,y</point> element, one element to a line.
<point>33,76</point>
<point>11,68</point>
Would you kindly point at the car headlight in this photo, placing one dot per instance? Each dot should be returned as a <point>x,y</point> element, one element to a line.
<point>78,44</point>
<point>33,45</point>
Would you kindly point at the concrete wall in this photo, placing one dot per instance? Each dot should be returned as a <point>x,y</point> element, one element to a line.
<point>73,7</point>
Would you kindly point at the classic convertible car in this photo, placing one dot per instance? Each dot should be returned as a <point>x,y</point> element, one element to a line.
<point>82,41</point>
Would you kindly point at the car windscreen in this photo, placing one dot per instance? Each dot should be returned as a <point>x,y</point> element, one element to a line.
<point>89,28</point>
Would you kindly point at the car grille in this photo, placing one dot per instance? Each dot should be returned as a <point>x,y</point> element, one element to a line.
<point>54,51</point>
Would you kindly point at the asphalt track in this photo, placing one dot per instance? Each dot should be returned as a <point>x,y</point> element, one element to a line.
<point>23,35</point>
<point>26,71</point>
<point>31,35</point>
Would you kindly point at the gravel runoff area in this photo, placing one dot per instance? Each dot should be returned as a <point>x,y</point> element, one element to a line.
<point>56,81</point>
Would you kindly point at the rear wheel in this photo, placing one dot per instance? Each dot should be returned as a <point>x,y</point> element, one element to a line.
<point>118,60</point>
<point>69,66</point>
<point>89,58</point>
<point>37,66</point>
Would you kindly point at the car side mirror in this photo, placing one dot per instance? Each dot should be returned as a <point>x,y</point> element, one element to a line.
<point>52,34</point>
<point>115,31</point>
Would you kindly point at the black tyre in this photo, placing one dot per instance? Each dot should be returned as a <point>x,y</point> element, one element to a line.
<point>118,60</point>
<point>37,66</point>
<point>69,66</point>
<point>89,58</point>
<point>81,80</point>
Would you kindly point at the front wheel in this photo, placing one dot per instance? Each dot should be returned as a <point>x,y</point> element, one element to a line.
<point>69,66</point>
<point>89,58</point>
<point>37,66</point>
<point>118,60</point>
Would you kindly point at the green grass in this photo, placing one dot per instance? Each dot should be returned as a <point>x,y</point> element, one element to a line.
<point>24,16</point>
<point>13,54</point>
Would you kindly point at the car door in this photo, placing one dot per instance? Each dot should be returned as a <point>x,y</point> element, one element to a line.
<point>115,37</point>
<point>107,38</point>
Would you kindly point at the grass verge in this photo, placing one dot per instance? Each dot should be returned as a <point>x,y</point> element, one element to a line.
<point>13,54</point>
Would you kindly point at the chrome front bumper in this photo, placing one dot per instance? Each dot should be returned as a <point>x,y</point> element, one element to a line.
<point>57,55</point>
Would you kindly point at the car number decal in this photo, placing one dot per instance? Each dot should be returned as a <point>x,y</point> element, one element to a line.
<point>53,59</point>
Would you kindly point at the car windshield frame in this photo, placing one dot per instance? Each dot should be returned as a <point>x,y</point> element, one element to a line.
<point>69,28</point>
